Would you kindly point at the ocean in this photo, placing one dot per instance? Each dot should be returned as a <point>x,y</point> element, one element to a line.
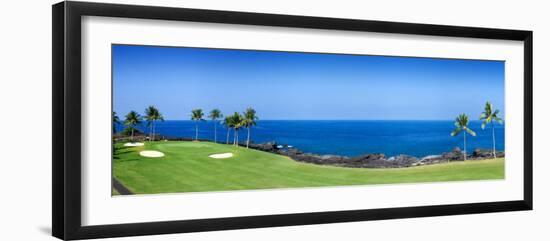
<point>348,137</point>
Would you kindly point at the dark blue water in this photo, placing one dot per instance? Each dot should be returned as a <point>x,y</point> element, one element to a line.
<point>350,138</point>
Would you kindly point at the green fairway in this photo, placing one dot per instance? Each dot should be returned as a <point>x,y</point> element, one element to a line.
<point>186,167</point>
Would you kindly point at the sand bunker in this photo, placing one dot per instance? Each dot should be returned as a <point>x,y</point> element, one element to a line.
<point>134,144</point>
<point>221,155</point>
<point>151,153</point>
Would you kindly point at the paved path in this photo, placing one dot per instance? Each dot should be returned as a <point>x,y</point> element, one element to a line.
<point>121,188</point>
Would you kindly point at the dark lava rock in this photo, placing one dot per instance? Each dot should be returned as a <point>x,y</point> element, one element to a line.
<point>268,147</point>
<point>294,151</point>
<point>403,160</point>
<point>310,158</point>
<point>372,160</point>
<point>485,153</point>
<point>375,160</point>
<point>455,155</point>
<point>482,153</point>
<point>368,158</point>
<point>329,157</point>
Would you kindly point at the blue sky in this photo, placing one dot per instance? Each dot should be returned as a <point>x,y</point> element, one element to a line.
<point>302,86</point>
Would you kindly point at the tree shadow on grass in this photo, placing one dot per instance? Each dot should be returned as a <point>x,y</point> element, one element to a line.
<point>119,160</point>
<point>123,152</point>
<point>122,147</point>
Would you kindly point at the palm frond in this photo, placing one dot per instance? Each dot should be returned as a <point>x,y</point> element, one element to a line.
<point>456,131</point>
<point>482,116</point>
<point>488,108</point>
<point>197,115</point>
<point>490,115</point>
<point>249,117</point>
<point>132,119</point>
<point>215,114</point>
<point>116,119</point>
<point>461,120</point>
<point>470,131</point>
<point>461,123</point>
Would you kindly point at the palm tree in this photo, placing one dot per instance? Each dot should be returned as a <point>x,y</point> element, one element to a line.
<point>488,116</point>
<point>237,123</point>
<point>149,113</point>
<point>197,116</point>
<point>214,115</point>
<point>132,120</point>
<point>157,117</point>
<point>152,115</point>
<point>228,123</point>
<point>116,121</point>
<point>249,121</point>
<point>461,123</point>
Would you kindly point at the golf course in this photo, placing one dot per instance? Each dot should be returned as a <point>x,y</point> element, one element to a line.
<point>192,166</point>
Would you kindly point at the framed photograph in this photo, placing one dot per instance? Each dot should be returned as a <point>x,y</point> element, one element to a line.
<point>169,120</point>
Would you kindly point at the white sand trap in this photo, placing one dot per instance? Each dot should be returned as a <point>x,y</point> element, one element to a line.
<point>151,153</point>
<point>221,155</point>
<point>134,144</point>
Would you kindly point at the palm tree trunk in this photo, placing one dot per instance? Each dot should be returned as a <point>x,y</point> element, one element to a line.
<point>227,141</point>
<point>236,142</point>
<point>248,138</point>
<point>153,138</point>
<point>215,133</point>
<point>234,136</point>
<point>196,131</point>
<point>464,145</point>
<point>494,142</point>
<point>132,136</point>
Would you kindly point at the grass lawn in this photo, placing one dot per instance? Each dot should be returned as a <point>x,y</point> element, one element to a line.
<point>186,167</point>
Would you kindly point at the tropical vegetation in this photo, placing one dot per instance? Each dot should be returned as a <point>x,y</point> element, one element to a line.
<point>132,120</point>
<point>214,115</point>
<point>116,121</point>
<point>227,123</point>
<point>461,123</point>
<point>489,116</point>
<point>197,116</point>
<point>152,115</point>
<point>249,120</point>
<point>236,122</point>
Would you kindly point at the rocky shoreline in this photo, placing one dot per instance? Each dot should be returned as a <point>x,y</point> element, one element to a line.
<point>370,160</point>
<point>373,160</point>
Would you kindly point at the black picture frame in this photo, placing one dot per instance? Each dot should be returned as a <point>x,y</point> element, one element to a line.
<point>66,168</point>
